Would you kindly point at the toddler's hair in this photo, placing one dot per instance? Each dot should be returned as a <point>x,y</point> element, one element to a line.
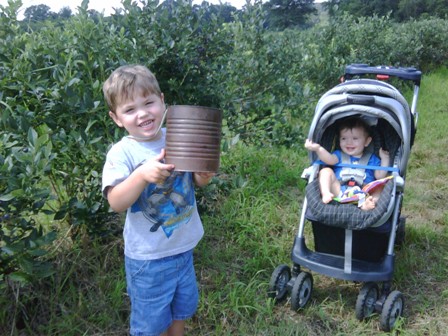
<point>354,122</point>
<point>127,81</point>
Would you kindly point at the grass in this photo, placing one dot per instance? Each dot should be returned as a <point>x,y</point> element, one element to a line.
<point>250,227</point>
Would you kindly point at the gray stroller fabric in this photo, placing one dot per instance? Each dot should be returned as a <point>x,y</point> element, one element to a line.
<point>347,216</point>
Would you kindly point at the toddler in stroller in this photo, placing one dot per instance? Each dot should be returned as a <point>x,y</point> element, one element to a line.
<point>342,182</point>
<point>351,243</point>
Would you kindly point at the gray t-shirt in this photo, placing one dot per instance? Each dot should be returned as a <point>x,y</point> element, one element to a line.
<point>164,221</point>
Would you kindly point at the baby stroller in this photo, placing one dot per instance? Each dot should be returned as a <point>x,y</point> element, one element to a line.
<point>350,243</point>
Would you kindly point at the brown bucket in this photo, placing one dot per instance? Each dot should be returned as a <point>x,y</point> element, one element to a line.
<point>193,138</point>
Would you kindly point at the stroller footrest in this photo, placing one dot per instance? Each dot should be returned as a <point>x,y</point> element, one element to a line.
<point>333,265</point>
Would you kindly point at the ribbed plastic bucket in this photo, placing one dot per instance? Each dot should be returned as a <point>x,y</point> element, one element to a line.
<point>193,138</point>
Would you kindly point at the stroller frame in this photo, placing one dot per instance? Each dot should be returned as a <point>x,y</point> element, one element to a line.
<point>354,96</point>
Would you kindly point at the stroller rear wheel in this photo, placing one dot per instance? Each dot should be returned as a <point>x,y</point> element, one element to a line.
<point>301,290</point>
<point>365,304</point>
<point>279,281</point>
<point>392,310</point>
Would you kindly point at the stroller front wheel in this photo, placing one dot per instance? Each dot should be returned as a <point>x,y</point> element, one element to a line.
<point>279,280</point>
<point>392,310</point>
<point>365,303</point>
<point>301,290</point>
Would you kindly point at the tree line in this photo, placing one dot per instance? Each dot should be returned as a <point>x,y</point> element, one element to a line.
<point>399,10</point>
<point>283,14</point>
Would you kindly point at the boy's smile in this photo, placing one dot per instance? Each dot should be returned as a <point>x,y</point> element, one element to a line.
<point>141,116</point>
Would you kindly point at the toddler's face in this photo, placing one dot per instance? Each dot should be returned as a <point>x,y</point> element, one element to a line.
<point>141,116</point>
<point>353,141</point>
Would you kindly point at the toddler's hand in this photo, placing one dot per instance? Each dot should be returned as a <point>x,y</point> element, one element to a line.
<point>384,154</point>
<point>312,146</point>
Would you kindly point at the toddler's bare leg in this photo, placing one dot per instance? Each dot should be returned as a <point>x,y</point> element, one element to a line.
<point>329,185</point>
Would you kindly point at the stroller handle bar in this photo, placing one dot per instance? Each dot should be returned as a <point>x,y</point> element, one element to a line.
<point>403,73</point>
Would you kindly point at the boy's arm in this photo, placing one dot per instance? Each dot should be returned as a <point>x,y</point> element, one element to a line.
<point>202,179</point>
<point>385,162</point>
<point>322,153</point>
<point>124,194</point>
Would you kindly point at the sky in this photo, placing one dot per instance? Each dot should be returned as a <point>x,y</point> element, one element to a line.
<point>99,5</point>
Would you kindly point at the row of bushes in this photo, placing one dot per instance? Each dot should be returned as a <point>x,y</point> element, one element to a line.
<point>55,130</point>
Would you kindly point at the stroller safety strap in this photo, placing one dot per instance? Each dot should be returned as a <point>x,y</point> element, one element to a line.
<point>391,169</point>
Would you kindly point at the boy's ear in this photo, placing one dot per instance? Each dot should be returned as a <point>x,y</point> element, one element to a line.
<point>115,119</point>
<point>368,141</point>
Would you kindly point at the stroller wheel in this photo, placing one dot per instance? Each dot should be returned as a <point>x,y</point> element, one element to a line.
<point>301,290</point>
<point>392,310</point>
<point>365,304</point>
<point>278,284</point>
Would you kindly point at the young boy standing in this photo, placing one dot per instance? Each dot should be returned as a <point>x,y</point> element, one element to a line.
<point>162,222</point>
<point>354,137</point>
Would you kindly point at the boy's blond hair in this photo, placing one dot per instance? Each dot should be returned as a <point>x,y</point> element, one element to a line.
<point>127,81</point>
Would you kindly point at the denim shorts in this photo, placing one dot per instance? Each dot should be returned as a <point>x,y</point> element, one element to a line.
<point>161,291</point>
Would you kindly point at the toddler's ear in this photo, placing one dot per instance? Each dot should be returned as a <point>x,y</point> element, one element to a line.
<point>368,141</point>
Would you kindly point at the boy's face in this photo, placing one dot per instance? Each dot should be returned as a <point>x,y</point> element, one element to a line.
<point>353,141</point>
<point>141,116</point>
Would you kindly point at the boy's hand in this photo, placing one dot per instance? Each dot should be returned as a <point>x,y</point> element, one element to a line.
<point>154,171</point>
<point>124,194</point>
<point>203,178</point>
<point>312,146</point>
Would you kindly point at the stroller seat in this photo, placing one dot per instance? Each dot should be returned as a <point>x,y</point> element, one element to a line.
<point>349,216</point>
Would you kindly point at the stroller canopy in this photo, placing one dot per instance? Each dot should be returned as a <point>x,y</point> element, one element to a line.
<point>380,104</point>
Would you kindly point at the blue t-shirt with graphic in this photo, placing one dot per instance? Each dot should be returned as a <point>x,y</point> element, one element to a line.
<point>169,206</point>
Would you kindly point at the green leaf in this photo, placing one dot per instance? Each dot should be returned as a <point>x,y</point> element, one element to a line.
<point>7,197</point>
<point>60,215</point>
<point>32,136</point>
<point>73,81</point>
<point>37,252</point>
<point>19,276</point>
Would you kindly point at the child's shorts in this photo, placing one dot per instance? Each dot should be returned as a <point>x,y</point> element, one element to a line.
<point>161,291</point>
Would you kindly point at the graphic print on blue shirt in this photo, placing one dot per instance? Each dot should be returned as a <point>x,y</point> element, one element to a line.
<point>169,206</point>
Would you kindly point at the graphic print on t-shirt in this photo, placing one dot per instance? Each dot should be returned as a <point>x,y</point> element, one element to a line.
<point>169,206</point>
